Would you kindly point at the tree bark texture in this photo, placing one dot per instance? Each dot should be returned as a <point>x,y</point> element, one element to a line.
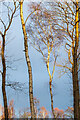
<point>28,62</point>
<point>4,80</point>
<point>75,67</point>
<point>51,94</point>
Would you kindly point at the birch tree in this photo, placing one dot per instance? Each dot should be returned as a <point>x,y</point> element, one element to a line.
<point>68,13</point>
<point>66,24</point>
<point>27,60</point>
<point>43,38</point>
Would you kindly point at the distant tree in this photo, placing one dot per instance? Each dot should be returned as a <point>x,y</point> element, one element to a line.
<point>41,112</point>
<point>11,111</point>
<point>69,112</point>
<point>59,113</point>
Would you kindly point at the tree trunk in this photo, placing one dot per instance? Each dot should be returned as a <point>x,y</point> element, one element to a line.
<point>75,88</point>
<point>28,62</point>
<point>79,55</point>
<point>4,80</point>
<point>51,94</point>
<point>75,67</point>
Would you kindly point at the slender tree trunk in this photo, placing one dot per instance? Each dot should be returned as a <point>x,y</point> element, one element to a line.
<point>79,58</point>
<point>51,94</point>
<point>28,62</point>
<point>75,68</point>
<point>4,80</point>
<point>75,89</point>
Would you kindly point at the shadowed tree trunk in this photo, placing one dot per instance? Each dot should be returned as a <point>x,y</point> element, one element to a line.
<point>79,58</point>
<point>4,80</point>
<point>28,62</point>
<point>75,67</point>
<point>5,28</point>
<point>75,87</point>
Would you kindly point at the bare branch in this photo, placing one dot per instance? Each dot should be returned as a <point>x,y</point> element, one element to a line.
<point>54,66</point>
<point>11,18</point>
<point>8,7</point>
<point>3,23</point>
<point>29,16</point>
<point>70,69</point>
<point>70,8</point>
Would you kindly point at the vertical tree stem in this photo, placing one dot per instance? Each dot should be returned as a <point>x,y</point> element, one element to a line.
<point>3,80</point>
<point>28,62</point>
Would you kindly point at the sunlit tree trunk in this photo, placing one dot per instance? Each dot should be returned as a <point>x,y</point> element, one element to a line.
<point>50,88</point>
<point>28,62</point>
<point>50,77</point>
